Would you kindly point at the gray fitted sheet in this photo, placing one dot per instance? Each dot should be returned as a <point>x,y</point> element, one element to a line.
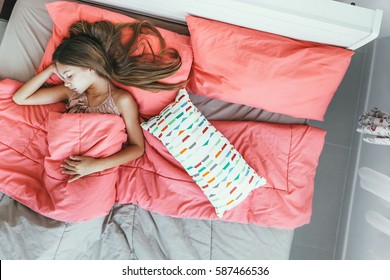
<point>128,232</point>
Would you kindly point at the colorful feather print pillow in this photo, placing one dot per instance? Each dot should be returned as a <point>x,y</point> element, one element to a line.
<point>208,157</point>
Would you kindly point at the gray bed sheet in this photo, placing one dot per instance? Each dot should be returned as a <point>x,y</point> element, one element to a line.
<point>128,232</point>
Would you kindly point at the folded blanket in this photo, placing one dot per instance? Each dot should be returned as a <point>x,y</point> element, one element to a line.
<point>94,135</point>
<point>35,139</point>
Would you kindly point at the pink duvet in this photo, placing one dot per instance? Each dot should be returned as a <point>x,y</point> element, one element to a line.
<point>35,139</point>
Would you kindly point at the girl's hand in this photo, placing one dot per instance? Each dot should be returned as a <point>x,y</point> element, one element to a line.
<point>79,166</point>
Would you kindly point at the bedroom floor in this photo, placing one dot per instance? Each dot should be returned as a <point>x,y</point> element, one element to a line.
<point>318,239</point>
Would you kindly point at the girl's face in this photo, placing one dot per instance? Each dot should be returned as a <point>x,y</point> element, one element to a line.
<point>78,79</point>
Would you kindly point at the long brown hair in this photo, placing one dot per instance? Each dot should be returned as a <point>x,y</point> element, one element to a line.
<point>121,52</point>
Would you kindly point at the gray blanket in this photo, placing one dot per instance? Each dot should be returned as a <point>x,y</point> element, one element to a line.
<point>129,232</point>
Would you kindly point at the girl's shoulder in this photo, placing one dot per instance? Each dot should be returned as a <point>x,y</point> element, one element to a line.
<point>124,99</point>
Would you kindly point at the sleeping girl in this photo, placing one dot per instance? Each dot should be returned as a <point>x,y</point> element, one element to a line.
<point>89,61</point>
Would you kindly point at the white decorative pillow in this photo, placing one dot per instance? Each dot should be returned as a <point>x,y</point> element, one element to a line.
<point>214,164</point>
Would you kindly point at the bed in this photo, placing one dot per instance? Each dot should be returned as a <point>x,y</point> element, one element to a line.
<point>164,215</point>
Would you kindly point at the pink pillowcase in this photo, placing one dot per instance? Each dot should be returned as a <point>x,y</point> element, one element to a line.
<point>64,14</point>
<point>264,70</point>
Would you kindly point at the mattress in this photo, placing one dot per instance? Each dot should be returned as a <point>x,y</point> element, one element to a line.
<point>128,231</point>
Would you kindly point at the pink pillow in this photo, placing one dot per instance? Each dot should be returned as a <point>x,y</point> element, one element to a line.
<point>264,70</point>
<point>64,14</point>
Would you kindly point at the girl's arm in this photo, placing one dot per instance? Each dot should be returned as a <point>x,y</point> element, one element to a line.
<point>80,166</point>
<point>31,92</point>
